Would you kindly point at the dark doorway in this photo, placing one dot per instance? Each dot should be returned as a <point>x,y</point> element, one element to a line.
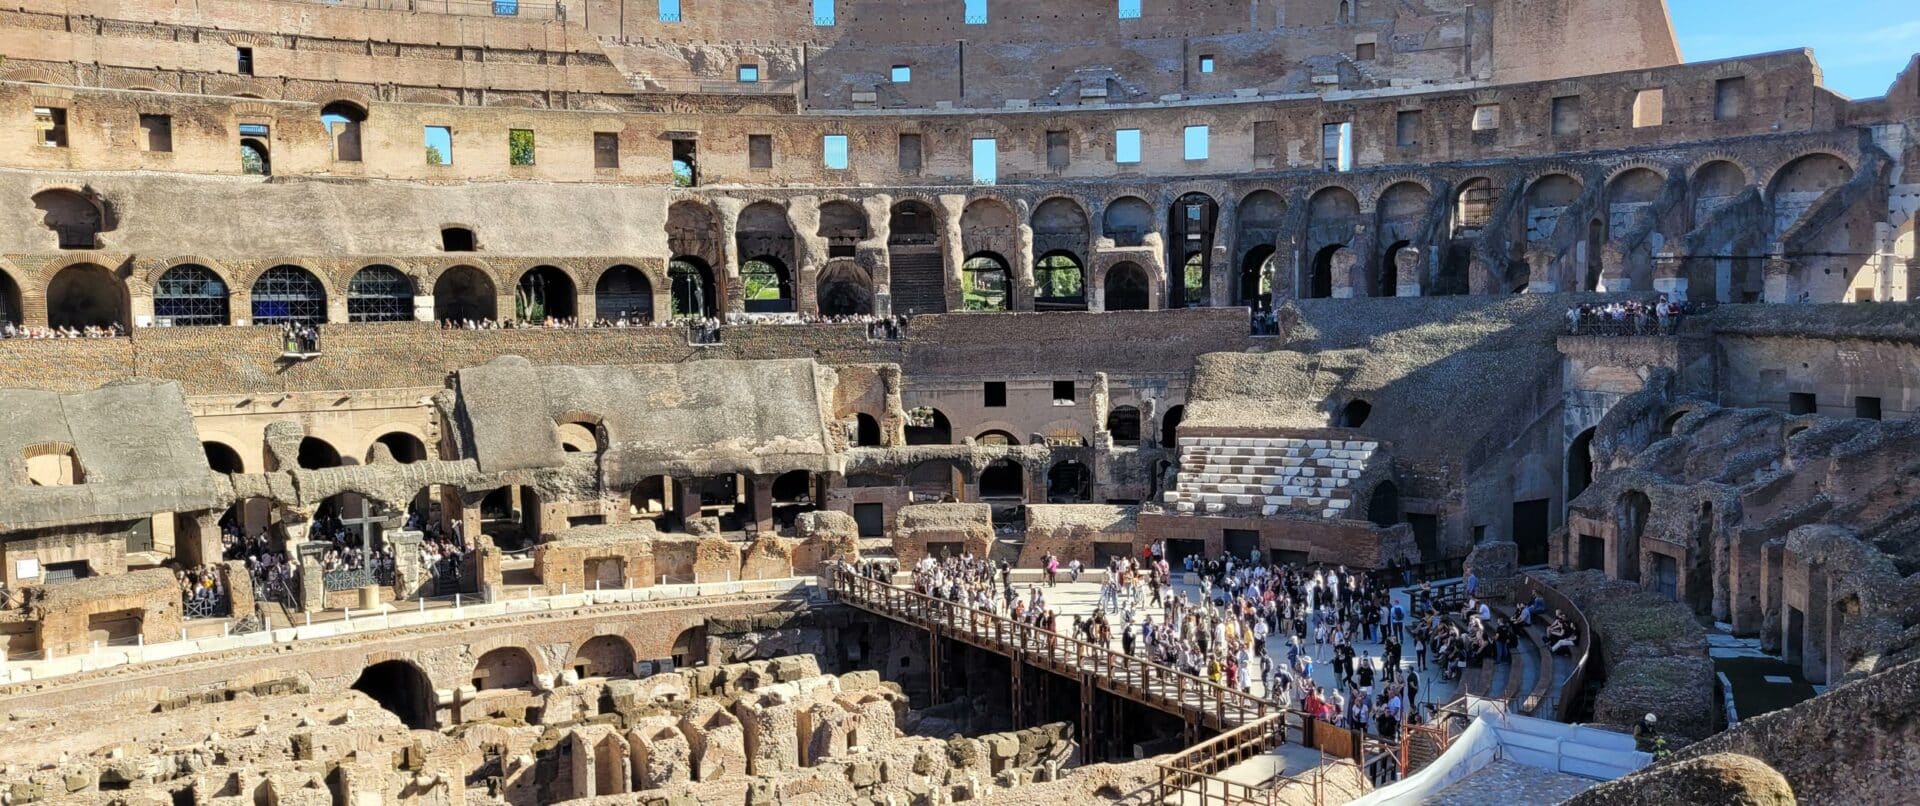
<point>1003,479</point>
<point>400,687</point>
<point>1426,534</point>
<point>1320,285</point>
<point>1180,549</point>
<point>1593,553</point>
<point>871,519</point>
<point>1383,508</point>
<point>1530,528</point>
<point>935,430</point>
<point>1240,543</point>
<point>866,431</point>
<point>1580,465</point>
<point>1069,483</point>
<point>1170,426</point>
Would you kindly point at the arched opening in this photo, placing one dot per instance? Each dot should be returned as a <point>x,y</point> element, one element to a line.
<point>1354,414</point>
<point>86,295</point>
<point>1634,508</point>
<point>727,498</point>
<point>1596,244</point>
<point>1059,283</point>
<point>1383,507</point>
<point>1714,187</point>
<point>379,294</point>
<point>1190,225</point>
<point>1320,285</point>
<point>401,688</point>
<point>793,494</point>
<point>1127,221</point>
<point>605,656</point>
<point>406,448</point>
<point>1473,206</point>
<point>1547,199</point>
<point>984,280</point>
<point>1700,558</point>
<point>222,458</point>
<point>1390,269</point>
<point>1170,426</point>
<point>1069,482</point>
<point>1580,464</point>
<point>652,499</point>
<point>255,154</point>
<point>692,291</point>
<point>690,647</point>
<point>9,299</point>
<point>766,285</point>
<point>996,437</point>
<point>932,430</point>
<point>342,120</point>
<point>464,293</point>
<point>866,430</point>
<point>623,295</point>
<point>190,295</point>
<point>289,295</point>
<point>845,290</point>
<point>1004,479</point>
<point>316,454</point>
<point>931,481</point>
<point>1256,277</point>
<point>545,292</point>
<point>76,220</point>
<point>1127,288</point>
<point>53,464</point>
<point>1673,420</point>
<point>503,667</point>
<point>458,239</point>
<point>1123,424</point>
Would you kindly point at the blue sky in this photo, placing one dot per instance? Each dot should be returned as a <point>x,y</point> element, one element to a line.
<point>1860,44</point>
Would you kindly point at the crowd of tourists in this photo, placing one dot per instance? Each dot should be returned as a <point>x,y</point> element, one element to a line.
<point>300,337</point>
<point>1631,316</point>
<point>1265,323</point>
<point>268,564</point>
<point>9,330</point>
<point>203,590</point>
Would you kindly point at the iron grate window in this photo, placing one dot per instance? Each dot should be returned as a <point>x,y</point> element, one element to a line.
<point>288,294</point>
<point>379,294</point>
<point>624,293</point>
<point>190,295</point>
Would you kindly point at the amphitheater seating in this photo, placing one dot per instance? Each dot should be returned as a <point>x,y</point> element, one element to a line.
<point>1271,473</point>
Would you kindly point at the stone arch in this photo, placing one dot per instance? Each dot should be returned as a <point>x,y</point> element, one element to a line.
<point>623,292</point>
<point>986,282</point>
<point>1004,478</point>
<point>1060,228</point>
<point>1059,282</point>
<point>693,288</point>
<point>1170,425</point>
<point>289,294</point>
<point>1713,186</point>
<point>76,218</point>
<point>605,656</point>
<point>844,289</point>
<point>189,295</point>
<point>1580,464</point>
<point>937,431</point>
<point>1798,184</point>
<point>380,293</point>
<point>505,667</point>
<point>545,292</point>
<point>916,265</point>
<point>1127,287</point>
<point>10,299</point>
<point>317,454</point>
<point>844,225</point>
<point>1547,197</point>
<point>1127,220</point>
<point>764,231</point>
<point>1319,283</point>
<point>1383,504</point>
<point>343,120</point>
<point>85,295</point>
<point>996,436</point>
<point>1354,414</point>
<point>690,646</point>
<point>401,688</point>
<point>405,447</point>
<point>53,464</point>
<point>1473,205</point>
<point>693,230</point>
<point>222,457</point>
<point>1256,277</point>
<point>464,292</point>
<point>767,284</point>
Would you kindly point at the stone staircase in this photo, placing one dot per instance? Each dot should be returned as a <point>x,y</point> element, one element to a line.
<point>1271,474</point>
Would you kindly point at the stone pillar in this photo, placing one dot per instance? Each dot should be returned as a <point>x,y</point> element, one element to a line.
<point>1781,284</point>
<point>1667,278</point>
<point>423,307</point>
<point>1410,270</point>
<point>196,538</point>
<point>689,504</point>
<point>312,584</point>
<point>1102,400</point>
<point>1496,564</point>
<point>760,496</point>
<point>409,576</point>
<point>893,421</point>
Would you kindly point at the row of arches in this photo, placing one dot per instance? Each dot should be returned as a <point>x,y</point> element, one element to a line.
<point>316,453</point>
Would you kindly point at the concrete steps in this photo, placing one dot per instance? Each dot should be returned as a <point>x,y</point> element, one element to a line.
<point>1268,473</point>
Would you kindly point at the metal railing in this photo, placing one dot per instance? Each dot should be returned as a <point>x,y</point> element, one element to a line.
<point>206,604</point>
<point>1570,691</point>
<point>1137,678</point>
<point>346,579</point>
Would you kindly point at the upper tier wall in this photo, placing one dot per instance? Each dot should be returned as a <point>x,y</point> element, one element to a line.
<point>594,54</point>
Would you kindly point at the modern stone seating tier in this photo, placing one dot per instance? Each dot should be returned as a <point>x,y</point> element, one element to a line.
<point>1270,473</point>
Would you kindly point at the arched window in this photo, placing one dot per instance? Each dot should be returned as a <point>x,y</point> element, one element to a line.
<point>1127,288</point>
<point>255,154</point>
<point>545,292</point>
<point>379,294</point>
<point>1256,277</point>
<point>1123,423</point>
<point>1059,283</point>
<point>1190,226</point>
<point>984,279</point>
<point>190,295</point>
<point>222,458</point>
<point>767,286</point>
<point>934,429</point>
<point>996,437</point>
<point>1069,482</point>
<point>343,119</point>
<point>406,448</point>
<point>624,293</point>
<point>1320,285</point>
<point>693,291</point>
<point>316,454</point>
<point>286,294</point>
<point>1354,414</point>
<point>1003,479</point>
<point>844,290</point>
<point>1474,205</point>
<point>53,464</point>
<point>76,220</point>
